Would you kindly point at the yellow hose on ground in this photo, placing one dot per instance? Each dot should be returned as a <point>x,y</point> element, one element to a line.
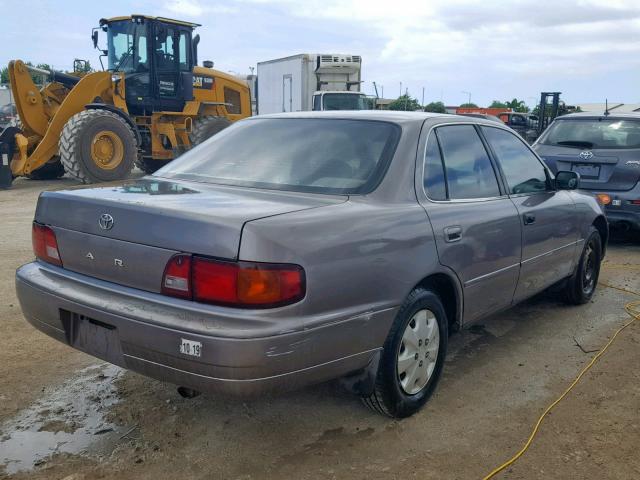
<point>630,308</point>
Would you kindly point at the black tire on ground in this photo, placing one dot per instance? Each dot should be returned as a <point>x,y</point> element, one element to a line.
<point>149,165</point>
<point>206,127</point>
<point>77,141</point>
<point>582,284</point>
<point>389,397</point>
<point>49,171</point>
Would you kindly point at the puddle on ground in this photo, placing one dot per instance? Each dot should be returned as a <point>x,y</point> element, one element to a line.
<point>68,418</point>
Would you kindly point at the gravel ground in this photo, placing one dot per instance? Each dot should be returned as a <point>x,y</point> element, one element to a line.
<point>101,422</point>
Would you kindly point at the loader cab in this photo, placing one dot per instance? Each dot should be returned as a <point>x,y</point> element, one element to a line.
<point>157,56</point>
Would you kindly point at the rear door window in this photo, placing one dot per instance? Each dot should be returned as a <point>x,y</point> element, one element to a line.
<point>434,181</point>
<point>468,168</point>
<point>522,169</point>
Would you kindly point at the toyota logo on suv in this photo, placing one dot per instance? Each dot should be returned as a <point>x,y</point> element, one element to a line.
<point>586,155</point>
<point>105,221</point>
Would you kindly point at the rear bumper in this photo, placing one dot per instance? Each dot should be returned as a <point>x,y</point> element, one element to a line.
<point>626,214</point>
<point>142,332</point>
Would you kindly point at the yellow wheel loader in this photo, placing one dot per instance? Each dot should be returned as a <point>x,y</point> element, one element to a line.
<point>151,104</point>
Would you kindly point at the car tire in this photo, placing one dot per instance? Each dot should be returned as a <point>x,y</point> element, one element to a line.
<point>582,284</point>
<point>402,387</point>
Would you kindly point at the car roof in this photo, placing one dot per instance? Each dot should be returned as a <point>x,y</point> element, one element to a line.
<point>379,115</point>
<point>593,115</point>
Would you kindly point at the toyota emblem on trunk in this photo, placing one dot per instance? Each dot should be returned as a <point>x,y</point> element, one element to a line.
<point>105,221</point>
<point>586,154</point>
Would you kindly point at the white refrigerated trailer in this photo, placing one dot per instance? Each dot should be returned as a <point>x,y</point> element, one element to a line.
<point>310,82</point>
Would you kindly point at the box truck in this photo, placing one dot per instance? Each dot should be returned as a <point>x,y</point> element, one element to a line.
<point>310,82</point>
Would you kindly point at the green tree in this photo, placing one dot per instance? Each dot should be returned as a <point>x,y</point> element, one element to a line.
<point>405,102</point>
<point>517,106</point>
<point>468,105</point>
<point>4,75</point>
<point>435,107</point>
<point>81,66</point>
<point>498,104</point>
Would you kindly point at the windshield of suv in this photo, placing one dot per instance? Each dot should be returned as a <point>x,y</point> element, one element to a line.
<point>345,101</point>
<point>335,156</point>
<point>593,133</point>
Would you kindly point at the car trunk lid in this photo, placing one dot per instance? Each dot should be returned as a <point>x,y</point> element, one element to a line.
<point>127,233</point>
<point>602,169</point>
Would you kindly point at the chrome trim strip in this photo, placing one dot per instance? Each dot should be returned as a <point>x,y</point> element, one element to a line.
<point>250,380</point>
<point>550,252</point>
<point>470,283</point>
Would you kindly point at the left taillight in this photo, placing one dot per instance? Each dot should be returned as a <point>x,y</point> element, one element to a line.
<point>45,245</point>
<point>233,284</point>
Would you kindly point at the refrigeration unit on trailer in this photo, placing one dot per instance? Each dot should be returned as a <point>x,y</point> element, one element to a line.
<point>310,82</point>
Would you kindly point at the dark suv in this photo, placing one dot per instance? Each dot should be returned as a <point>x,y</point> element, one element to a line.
<point>605,151</point>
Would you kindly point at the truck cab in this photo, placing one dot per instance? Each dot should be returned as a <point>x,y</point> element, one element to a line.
<point>341,100</point>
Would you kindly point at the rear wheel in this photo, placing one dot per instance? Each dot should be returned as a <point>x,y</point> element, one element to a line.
<point>97,146</point>
<point>582,284</point>
<point>49,171</point>
<point>412,357</point>
<point>206,127</point>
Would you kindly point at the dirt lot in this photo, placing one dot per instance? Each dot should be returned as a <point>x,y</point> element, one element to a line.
<point>498,378</point>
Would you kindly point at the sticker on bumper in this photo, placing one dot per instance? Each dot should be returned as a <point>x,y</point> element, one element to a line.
<point>190,347</point>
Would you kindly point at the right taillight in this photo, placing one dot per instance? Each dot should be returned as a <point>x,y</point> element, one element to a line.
<point>236,284</point>
<point>45,244</point>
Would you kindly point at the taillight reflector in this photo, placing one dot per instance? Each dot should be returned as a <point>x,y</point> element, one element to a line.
<point>45,245</point>
<point>239,284</point>
<point>176,280</point>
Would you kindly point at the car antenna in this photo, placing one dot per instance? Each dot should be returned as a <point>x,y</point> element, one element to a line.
<point>606,107</point>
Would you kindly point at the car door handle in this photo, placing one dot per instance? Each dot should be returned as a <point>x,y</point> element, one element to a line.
<point>529,218</point>
<point>452,234</point>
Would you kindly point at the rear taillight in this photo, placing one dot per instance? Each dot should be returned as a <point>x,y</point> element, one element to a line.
<point>176,280</point>
<point>603,198</point>
<point>45,245</point>
<point>239,284</point>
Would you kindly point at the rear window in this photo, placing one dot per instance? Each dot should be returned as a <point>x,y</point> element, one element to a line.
<point>593,133</point>
<point>332,156</point>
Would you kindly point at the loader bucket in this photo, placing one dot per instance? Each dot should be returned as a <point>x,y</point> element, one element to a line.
<point>7,147</point>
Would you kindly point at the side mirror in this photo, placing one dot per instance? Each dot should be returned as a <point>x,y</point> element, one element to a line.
<point>94,37</point>
<point>566,180</point>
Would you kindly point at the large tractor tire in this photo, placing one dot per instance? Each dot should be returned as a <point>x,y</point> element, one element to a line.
<point>149,165</point>
<point>206,127</point>
<point>49,171</point>
<point>98,146</point>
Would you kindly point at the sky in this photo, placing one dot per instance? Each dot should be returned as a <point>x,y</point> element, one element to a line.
<point>493,49</point>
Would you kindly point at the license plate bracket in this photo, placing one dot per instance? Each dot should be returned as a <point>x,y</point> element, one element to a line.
<point>586,170</point>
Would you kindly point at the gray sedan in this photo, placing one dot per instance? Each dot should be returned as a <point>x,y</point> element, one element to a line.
<point>298,248</point>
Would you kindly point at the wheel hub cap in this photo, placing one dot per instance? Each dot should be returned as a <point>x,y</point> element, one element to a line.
<point>107,150</point>
<point>418,352</point>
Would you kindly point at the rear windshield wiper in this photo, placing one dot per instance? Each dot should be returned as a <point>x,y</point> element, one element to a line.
<point>575,143</point>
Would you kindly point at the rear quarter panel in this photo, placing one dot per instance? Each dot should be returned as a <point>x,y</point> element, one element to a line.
<point>358,256</point>
<point>587,210</point>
